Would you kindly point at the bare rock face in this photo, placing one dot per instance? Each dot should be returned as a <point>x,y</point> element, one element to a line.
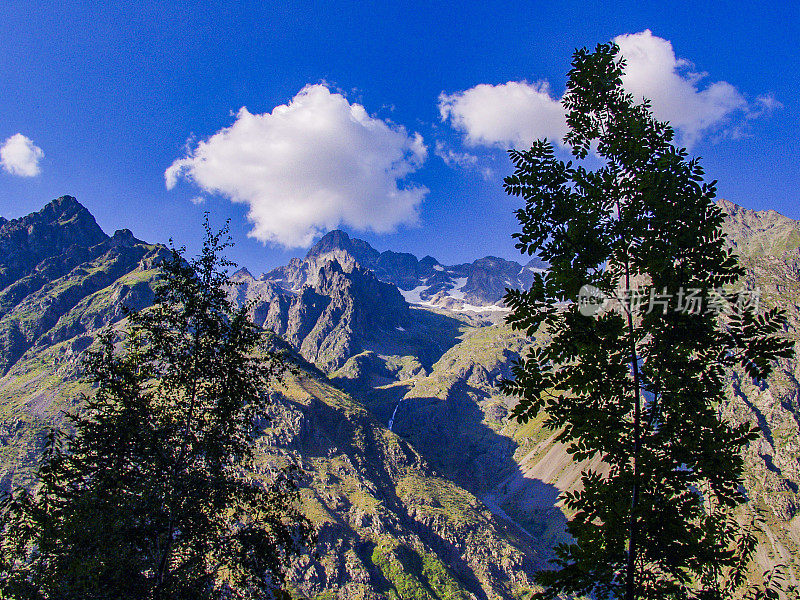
<point>768,246</point>
<point>54,263</point>
<point>44,246</point>
<point>331,318</point>
<point>490,277</point>
<point>63,226</point>
<point>480,283</point>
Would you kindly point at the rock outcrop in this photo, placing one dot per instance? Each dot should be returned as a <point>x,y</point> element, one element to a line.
<point>475,285</point>
<point>412,470</point>
<point>338,310</point>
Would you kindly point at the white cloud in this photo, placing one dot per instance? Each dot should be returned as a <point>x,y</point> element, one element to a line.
<point>516,113</point>
<point>452,158</point>
<point>309,166</point>
<point>763,104</point>
<point>20,156</point>
<point>509,114</point>
<point>677,93</point>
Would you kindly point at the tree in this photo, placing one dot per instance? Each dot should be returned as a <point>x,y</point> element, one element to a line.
<point>151,496</point>
<point>643,324</point>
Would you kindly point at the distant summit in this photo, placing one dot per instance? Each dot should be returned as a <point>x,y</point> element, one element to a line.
<point>478,286</point>
<point>757,233</point>
<point>330,242</point>
<point>337,243</point>
<point>328,310</point>
<point>61,225</point>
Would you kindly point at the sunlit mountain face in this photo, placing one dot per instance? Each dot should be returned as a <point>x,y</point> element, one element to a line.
<point>394,413</point>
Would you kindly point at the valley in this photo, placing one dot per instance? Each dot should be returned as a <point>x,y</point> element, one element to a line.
<point>419,483</point>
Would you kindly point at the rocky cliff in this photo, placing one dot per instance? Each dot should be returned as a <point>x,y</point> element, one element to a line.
<point>420,484</point>
<point>475,286</point>
<point>340,309</point>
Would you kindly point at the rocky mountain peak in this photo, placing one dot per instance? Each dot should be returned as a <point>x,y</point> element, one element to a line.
<point>330,242</point>
<point>335,246</point>
<point>124,237</point>
<point>480,284</point>
<point>348,252</point>
<point>65,202</point>
<point>758,233</point>
<point>62,224</point>
<point>728,206</point>
<point>62,221</point>
<point>428,262</point>
<point>328,311</point>
<point>242,275</point>
<point>67,211</point>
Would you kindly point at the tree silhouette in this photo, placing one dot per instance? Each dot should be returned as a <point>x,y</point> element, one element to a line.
<point>151,496</point>
<point>644,322</point>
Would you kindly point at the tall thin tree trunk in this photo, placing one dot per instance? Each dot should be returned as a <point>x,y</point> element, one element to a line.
<point>633,525</point>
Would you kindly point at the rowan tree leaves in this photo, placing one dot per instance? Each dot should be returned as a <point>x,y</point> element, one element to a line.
<point>638,388</point>
<point>151,496</point>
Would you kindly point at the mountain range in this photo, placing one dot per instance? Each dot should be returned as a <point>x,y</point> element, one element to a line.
<point>420,485</point>
<point>478,286</point>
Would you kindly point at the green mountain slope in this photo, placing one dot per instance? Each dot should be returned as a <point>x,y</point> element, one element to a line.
<point>389,524</point>
<point>421,486</point>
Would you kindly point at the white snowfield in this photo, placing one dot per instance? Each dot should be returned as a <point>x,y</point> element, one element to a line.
<point>457,291</point>
<point>414,296</point>
<point>490,308</point>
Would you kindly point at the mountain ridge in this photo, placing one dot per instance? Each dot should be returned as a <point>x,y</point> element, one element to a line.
<point>472,286</point>
<point>390,526</point>
<point>386,373</point>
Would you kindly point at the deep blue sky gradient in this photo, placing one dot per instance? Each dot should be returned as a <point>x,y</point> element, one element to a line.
<point>111,94</point>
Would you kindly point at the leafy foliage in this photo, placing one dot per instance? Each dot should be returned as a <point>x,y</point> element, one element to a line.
<point>639,389</point>
<point>150,497</point>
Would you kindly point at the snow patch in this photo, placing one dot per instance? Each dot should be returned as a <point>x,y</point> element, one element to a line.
<point>413,296</point>
<point>438,268</point>
<point>490,308</point>
<point>457,291</point>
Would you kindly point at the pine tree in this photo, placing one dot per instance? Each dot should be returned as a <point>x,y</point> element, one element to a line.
<point>150,497</point>
<point>643,324</point>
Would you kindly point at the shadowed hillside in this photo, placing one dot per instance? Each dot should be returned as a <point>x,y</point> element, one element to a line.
<point>420,484</point>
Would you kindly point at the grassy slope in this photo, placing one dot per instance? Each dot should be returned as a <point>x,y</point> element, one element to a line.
<point>379,503</point>
<point>389,525</point>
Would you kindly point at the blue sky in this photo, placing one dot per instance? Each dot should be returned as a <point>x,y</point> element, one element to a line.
<point>100,102</point>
